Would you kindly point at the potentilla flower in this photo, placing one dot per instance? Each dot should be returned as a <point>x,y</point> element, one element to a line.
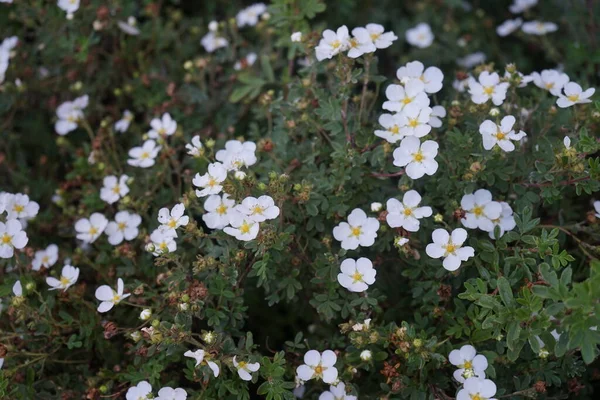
<point>400,96</point>
<point>242,227</point>
<point>376,206</point>
<point>296,37</point>
<point>356,275</point>
<point>332,43</point>
<point>597,208</point>
<point>480,210</point>
<point>431,77</point>
<point>212,41</point>
<point>450,247</point>
<point>45,258</point>
<point>123,124</point>
<point>68,6</point>
<point>567,142</point>
<point>68,277</point>
<point>337,392</point>
<point>144,156</point>
<point>12,236</point>
<point>360,230</point>
<point>249,16</point>
<point>90,229</point>
<point>69,114</point>
<point>469,363</point>
<point>477,389</point>
<point>471,60</point>
<point>145,314</point>
<point>392,124</point>
<point>17,288</point>
<point>500,135</point>
<point>520,6</point>
<point>162,241</point>
<point>488,87</point>
<point>109,297</point>
<point>114,188</point>
<point>19,206</point>
<point>523,79</point>
<point>506,221</point>
<point>414,121</point>
<point>417,158</point>
<point>244,369</point>
<point>360,43</point>
<point>258,210</point>
<point>142,391</point>
<point>172,219</point>
<point>509,26</point>
<point>236,155</point>
<point>5,198</point>
<point>550,80</point>
<point>420,36</point>
<point>381,39</point>
<point>574,94</point>
<point>124,227</point>
<point>406,214</point>
<point>195,148</point>
<point>245,62</point>
<point>318,366</point>
<point>162,127</point>
<point>435,118</point>
<point>538,28</point>
<point>168,393</point>
<point>199,356</point>
<point>218,210</point>
<point>211,181</point>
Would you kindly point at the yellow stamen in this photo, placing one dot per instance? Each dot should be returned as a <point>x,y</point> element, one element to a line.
<point>356,231</point>
<point>450,248</point>
<point>18,208</point>
<point>500,135</point>
<point>418,156</point>
<point>93,231</point>
<point>116,190</point>
<point>335,44</point>
<point>64,281</point>
<point>245,227</point>
<point>476,397</point>
<point>144,155</point>
<point>375,36</point>
<point>468,365</point>
<point>573,97</point>
<point>242,364</point>
<point>319,370</point>
<point>257,210</point>
<point>222,209</point>
<point>172,223</point>
<point>122,226</point>
<point>549,85</point>
<point>488,90</point>
<point>406,100</point>
<point>395,130</point>
<point>407,212</point>
<point>357,277</point>
<point>478,211</point>
<point>6,239</point>
<point>413,123</point>
<point>212,182</point>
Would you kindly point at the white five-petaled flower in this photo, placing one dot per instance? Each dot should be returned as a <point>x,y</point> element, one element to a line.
<point>520,6</point>
<point>550,80</point>
<point>487,87</point>
<point>162,127</point>
<point>414,121</point>
<point>356,275</point>
<point>318,365</point>
<point>88,230</point>
<point>19,206</point>
<point>162,242</point>
<point>45,258</point>
<point>12,236</point>
<point>236,155</point>
<point>508,26</point>
<point>249,15</point>
<point>360,230</point>
<point>574,94</point>
<point>17,289</point>
<point>332,43</point>
<point>258,210</point>
<point>392,124</point>
<point>144,155</point>
<point>506,222</point>
<point>450,247</point>
<point>360,43</point>
<point>68,277</point>
<point>69,114</point>
<point>212,41</point>
<point>123,124</point>
<point>380,38</point>
<point>406,214</point>
<point>420,36</point>
<point>469,363</point>
<point>114,188</point>
<point>477,389</point>
<point>124,227</point>
<point>538,27</point>
<point>168,393</point>
<point>68,6</point>
<point>431,77</point>
<point>480,210</point>
<point>417,158</point>
<point>172,219</point>
<point>195,147</point>
<point>109,297</point>
<point>218,210</point>
<point>597,208</point>
<point>199,356</point>
<point>337,392</point>
<point>296,37</point>
<point>500,135</point>
<point>242,227</point>
<point>399,96</point>
<point>471,60</point>
<point>245,369</point>
<point>211,182</point>
<point>435,118</point>
<point>139,392</point>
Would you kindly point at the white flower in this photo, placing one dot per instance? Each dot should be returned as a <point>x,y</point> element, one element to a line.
<point>114,188</point>
<point>360,43</point>
<point>172,219</point>
<point>520,6</point>
<point>211,181</point>
<point>476,388</point>
<point>124,227</point>
<point>145,314</point>
<point>574,94</point>
<point>376,206</point>
<point>69,114</point>
<point>551,80</point>
<point>162,127</point>
<point>68,277</point>
<point>18,206</point>
<point>381,39</point>
<point>360,230</point>
<point>358,327</point>
<point>249,15</point>
<point>195,148</point>
<point>211,42</point>
<point>471,60</point>
<point>332,43</point>
<point>508,26</point>
<point>168,393</point>
<point>123,124</point>
<point>450,248</point>
<point>129,27</point>
<point>144,156</point>
<point>162,241</point>
<point>400,96</point>
<point>318,365</point>
<point>45,258</point>
<point>366,355</point>
<point>69,6</point>
<point>140,392</point>
<point>109,297</point>
<point>461,85</point>
<point>523,79</point>
<point>597,208</point>
<point>435,118</point>
<point>4,200</point>
<point>258,210</point>
<point>480,210</point>
<point>244,368</point>
<point>417,158</point>
<point>239,175</point>
<point>337,392</point>
<point>237,155</point>
<point>538,27</point>
<point>199,356</point>
<point>213,26</point>
<point>356,275</point>
<point>567,142</point>
<point>90,229</point>
<point>391,123</point>
<point>488,87</point>
<point>406,214</point>
<point>245,62</point>
<point>17,288</point>
<point>432,77</point>
<point>218,210</point>
<point>420,36</point>
<point>296,37</point>
<point>506,221</point>
<point>469,363</point>
<point>242,227</point>
<point>500,135</point>
<point>414,121</point>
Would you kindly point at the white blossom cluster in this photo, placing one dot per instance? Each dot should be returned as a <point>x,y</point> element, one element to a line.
<point>6,49</point>
<point>471,374</point>
<point>481,212</point>
<point>19,209</point>
<point>534,27</point>
<point>364,40</point>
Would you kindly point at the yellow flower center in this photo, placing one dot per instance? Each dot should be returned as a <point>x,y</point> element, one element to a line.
<point>116,298</point>
<point>468,365</point>
<point>172,223</point>
<point>6,239</point>
<point>122,226</point>
<point>357,277</point>
<point>549,85</point>
<point>573,97</point>
<point>335,44</point>
<point>500,135</point>
<point>395,130</point>
<point>163,246</point>
<point>45,260</point>
<point>162,131</point>
<point>450,248</point>
<point>407,212</point>
<point>93,230</point>
<point>375,36</point>
<point>413,123</point>
<point>319,370</point>
<point>356,231</point>
<point>353,42</point>
<point>478,211</point>
<point>242,364</point>
<point>18,208</point>
<point>488,90</point>
<point>406,100</point>
<point>116,190</point>
<point>212,182</point>
<point>222,209</point>
<point>257,210</point>
<point>245,227</point>
<point>144,155</point>
<point>476,397</point>
<point>418,156</point>
<point>64,280</point>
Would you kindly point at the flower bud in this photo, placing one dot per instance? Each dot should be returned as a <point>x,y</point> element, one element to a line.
<point>213,26</point>
<point>145,314</point>
<point>438,217</point>
<point>156,323</point>
<point>296,37</point>
<point>183,306</point>
<point>494,112</point>
<point>376,207</point>
<point>136,336</point>
<point>366,355</point>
